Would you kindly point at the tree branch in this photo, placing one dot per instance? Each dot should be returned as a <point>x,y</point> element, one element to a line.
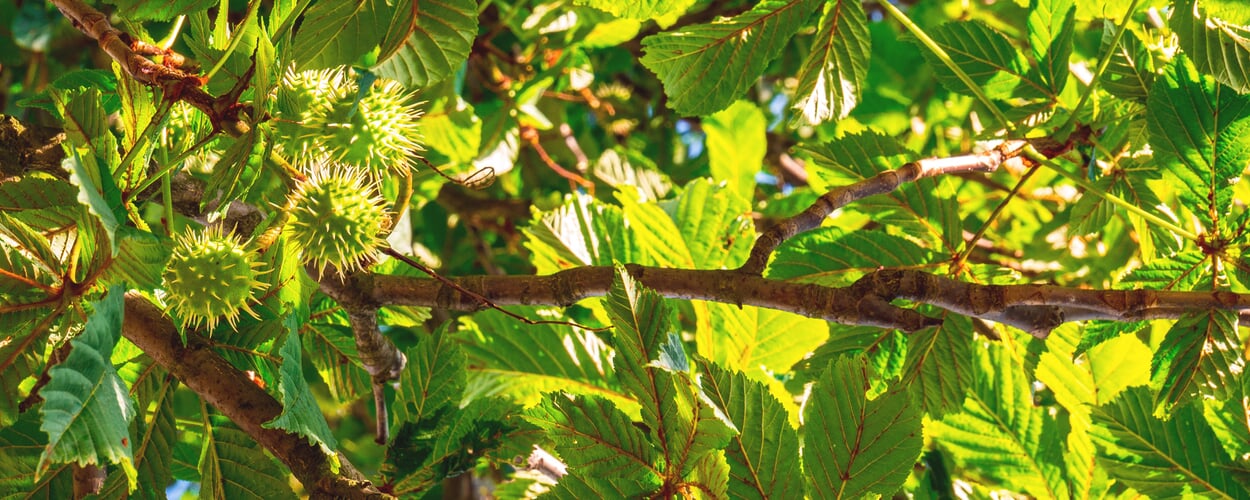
<point>1036,309</point>
<point>249,406</point>
<point>380,357</point>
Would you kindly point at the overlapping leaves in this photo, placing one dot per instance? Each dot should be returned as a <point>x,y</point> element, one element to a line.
<point>705,67</point>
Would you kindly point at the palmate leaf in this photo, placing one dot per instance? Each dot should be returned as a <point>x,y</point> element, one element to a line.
<point>433,379</point>
<point>1199,357</point>
<point>1170,458</point>
<point>154,442</point>
<point>1082,383</point>
<point>1201,132</point>
<point>1051,26</point>
<point>716,225</point>
<point>141,10</point>
<point>682,424</point>
<point>1218,47</point>
<point>833,257</point>
<point>1130,73</point>
<point>857,447</point>
<point>332,350</point>
<point>736,146</point>
<point>596,440</point>
<point>300,413</point>
<point>832,74</point>
<point>232,466</point>
<point>750,338</point>
<point>762,459</point>
<point>642,10</point>
<point>938,366</point>
<point>87,410</point>
<point>423,454</point>
<point>507,356</point>
<point>705,67</point>
<point>337,33</point>
<point>435,46</point>
<point>21,445</point>
<point>988,57</point>
<point>1000,436</point>
<point>140,259</point>
<point>580,486</point>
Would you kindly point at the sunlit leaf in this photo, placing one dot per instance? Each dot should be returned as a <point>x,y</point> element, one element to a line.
<point>1201,132</point>
<point>831,77</point>
<point>337,33</point>
<point>232,466</point>
<point>1051,27</point>
<point>1199,357</point>
<point>1217,46</point>
<point>741,47</point>
<point>436,46</point>
<point>760,463</point>
<point>1000,436</point>
<point>736,146</point>
<point>863,446</point>
<point>1161,458</point>
<point>987,57</point>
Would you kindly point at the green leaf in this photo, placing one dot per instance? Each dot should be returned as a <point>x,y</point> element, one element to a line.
<point>833,73</point>
<point>237,170</point>
<point>736,146</point>
<point>423,454</point>
<point>139,261</point>
<point>508,356</point>
<point>337,33</point>
<point>596,439</point>
<point>31,242</point>
<point>715,224</point>
<point>833,257</point>
<point>1200,132</point>
<point>87,410</point>
<point>988,58</point>
<point>938,366</point>
<point>857,447</point>
<point>154,442</point>
<point>682,424</point>
<point>1199,357</point>
<point>1179,456</point>
<point>437,45</point>
<point>232,466</point>
<point>761,459</point>
<point>143,10</point>
<point>711,475</point>
<point>433,380</point>
<point>1001,436</point>
<point>21,445</point>
<point>578,485</point>
<point>451,128</point>
<point>705,67</point>
<point>1052,24</point>
<point>300,413</point>
<point>1131,72</point>
<point>576,234</point>
<point>750,338</point>
<point>332,350</point>
<point>1218,47</point>
<point>655,232</point>
<point>644,10</point>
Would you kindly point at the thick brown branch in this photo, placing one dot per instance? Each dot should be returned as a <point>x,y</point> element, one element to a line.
<point>249,406</point>
<point>1033,308</point>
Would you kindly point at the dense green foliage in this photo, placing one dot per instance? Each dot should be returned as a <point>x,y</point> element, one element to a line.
<point>529,138</point>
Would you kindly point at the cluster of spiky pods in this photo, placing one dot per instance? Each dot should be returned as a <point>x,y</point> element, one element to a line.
<point>343,141</point>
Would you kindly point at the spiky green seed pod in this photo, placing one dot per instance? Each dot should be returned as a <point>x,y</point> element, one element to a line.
<point>210,276</point>
<point>321,117</point>
<point>337,218</point>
